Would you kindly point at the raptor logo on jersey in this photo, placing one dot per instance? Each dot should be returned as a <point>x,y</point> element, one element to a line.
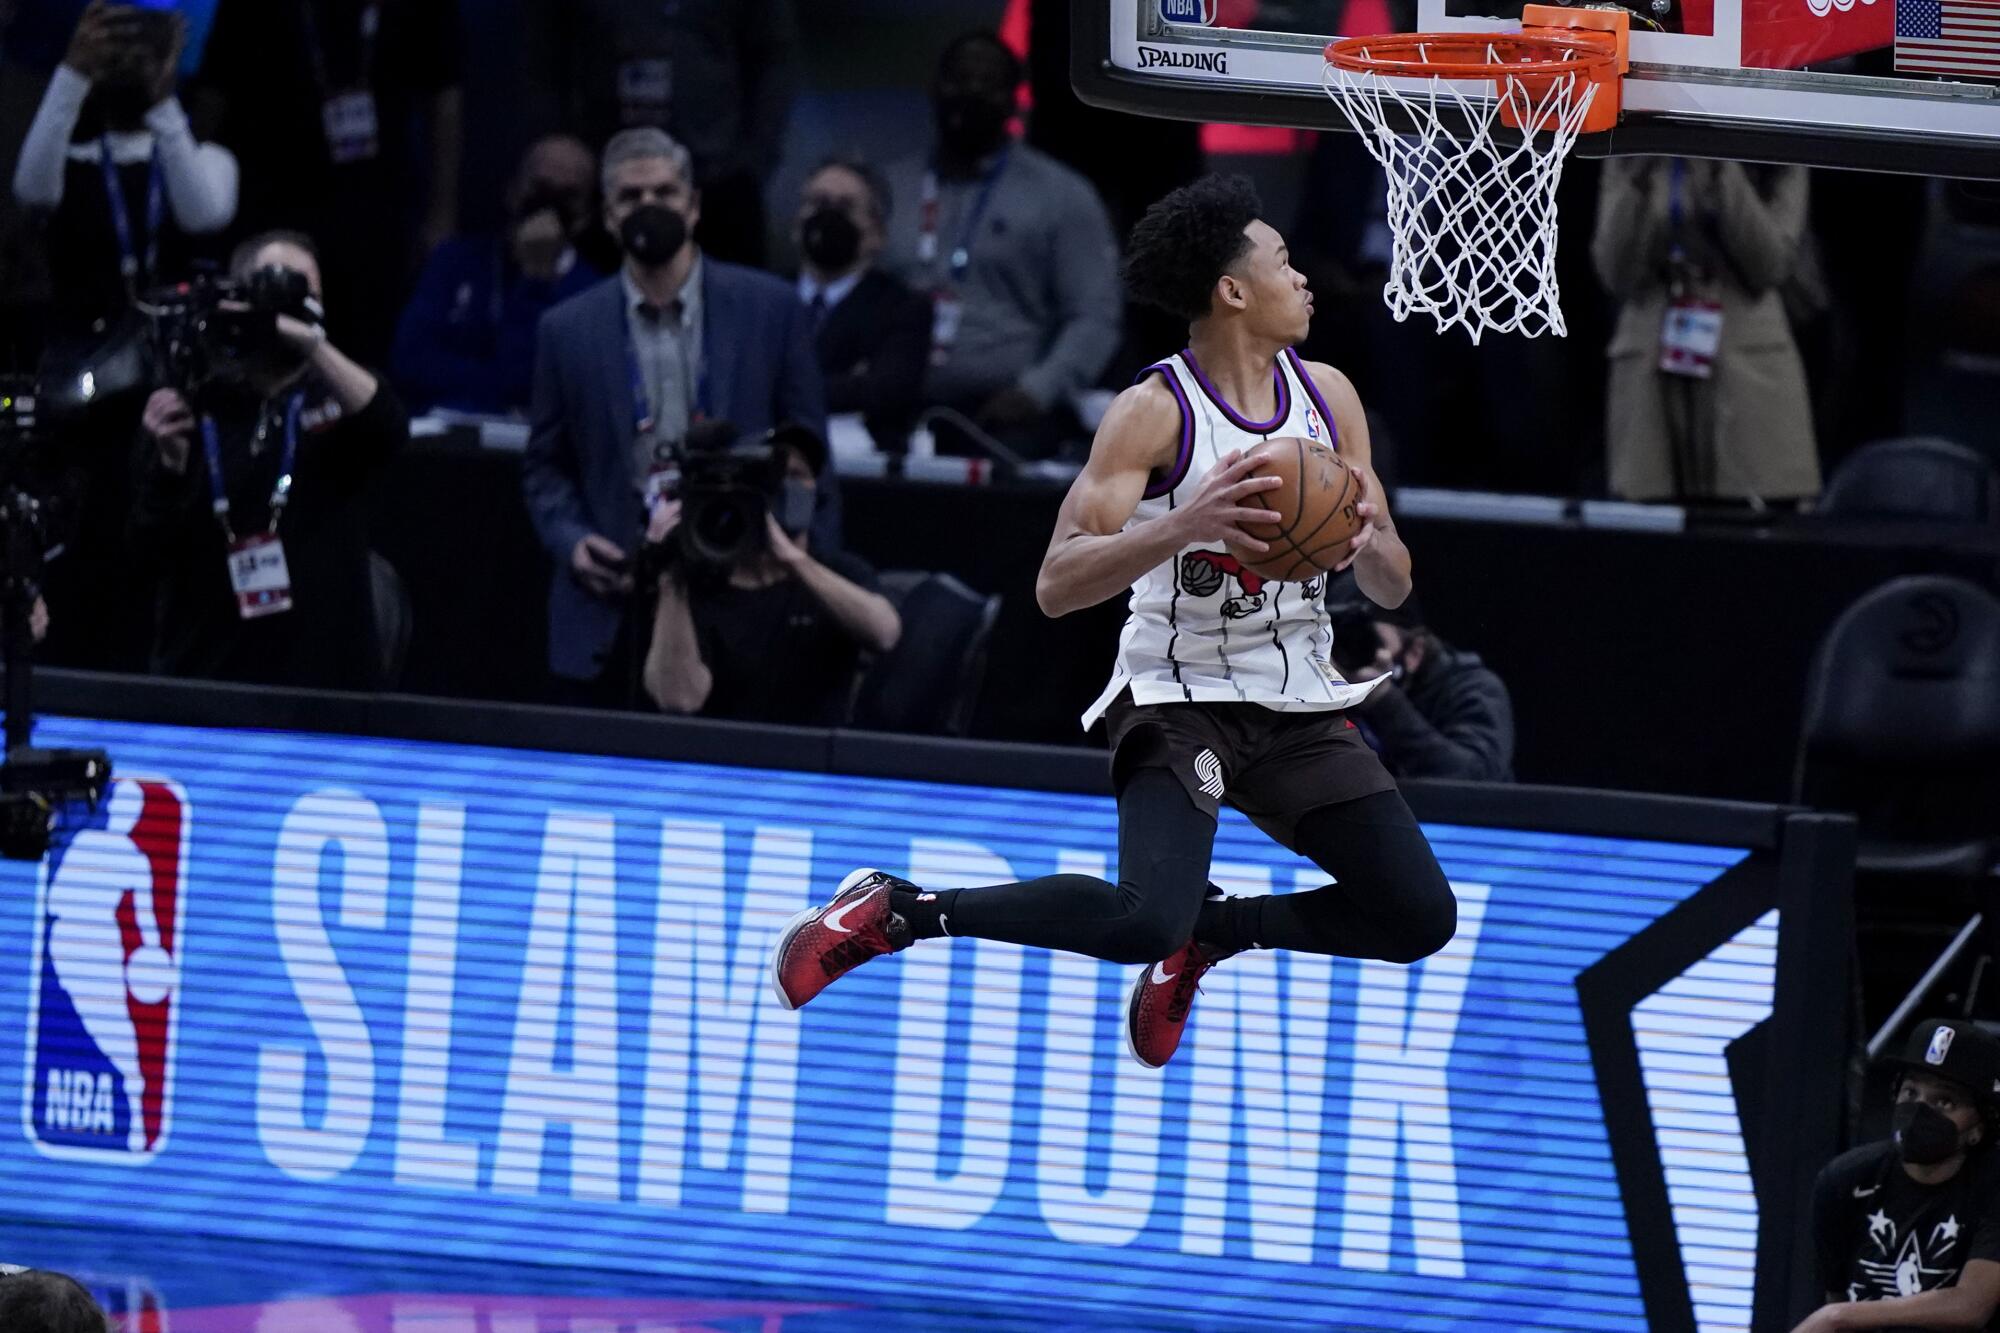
<point>1204,574</point>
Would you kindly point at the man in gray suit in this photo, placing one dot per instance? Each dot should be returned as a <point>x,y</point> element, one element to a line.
<point>620,372</point>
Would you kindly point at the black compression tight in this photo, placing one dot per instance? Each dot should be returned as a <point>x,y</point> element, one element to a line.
<point>1392,901</point>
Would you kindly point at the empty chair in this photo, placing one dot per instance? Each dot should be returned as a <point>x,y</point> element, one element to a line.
<point>930,681</point>
<point>1917,478</point>
<point>392,620</point>
<point>1902,725</point>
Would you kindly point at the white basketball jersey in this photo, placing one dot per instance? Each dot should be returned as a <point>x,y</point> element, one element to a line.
<point>1202,628</point>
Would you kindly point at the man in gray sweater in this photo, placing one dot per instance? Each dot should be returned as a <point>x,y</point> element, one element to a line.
<point>1016,254</point>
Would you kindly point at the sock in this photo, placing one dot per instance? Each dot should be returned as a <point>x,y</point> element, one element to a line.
<point>1229,925</point>
<point>927,912</point>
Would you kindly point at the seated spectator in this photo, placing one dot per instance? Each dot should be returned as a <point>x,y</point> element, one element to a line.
<point>719,75</point>
<point>1443,714</point>
<point>467,338</point>
<point>777,634</point>
<point>874,333</point>
<point>1707,397</point>
<point>620,373</point>
<point>34,1300</point>
<point>1016,253</point>
<point>250,505</point>
<point>112,161</point>
<point>1907,1229</point>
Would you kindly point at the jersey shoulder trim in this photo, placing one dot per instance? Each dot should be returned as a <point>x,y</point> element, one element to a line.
<point>1164,482</point>
<point>1279,381</point>
<point>1318,401</point>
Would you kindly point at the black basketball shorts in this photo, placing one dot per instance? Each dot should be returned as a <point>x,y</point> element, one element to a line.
<point>1274,767</point>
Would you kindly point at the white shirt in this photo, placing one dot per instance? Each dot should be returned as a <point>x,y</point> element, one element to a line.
<point>1202,629</point>
<point>833,293</point>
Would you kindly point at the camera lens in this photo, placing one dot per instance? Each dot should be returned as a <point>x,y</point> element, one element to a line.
<point>726,527</point>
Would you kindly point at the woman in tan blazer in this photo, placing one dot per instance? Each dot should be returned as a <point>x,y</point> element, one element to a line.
<point>1716,238</point>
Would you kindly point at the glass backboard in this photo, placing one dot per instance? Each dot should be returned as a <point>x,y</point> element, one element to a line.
<point>1886,85</point>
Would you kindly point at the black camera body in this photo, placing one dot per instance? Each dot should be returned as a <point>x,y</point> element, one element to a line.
<point>224,328</point>
<point>37,787</point>
<point>726,491</point>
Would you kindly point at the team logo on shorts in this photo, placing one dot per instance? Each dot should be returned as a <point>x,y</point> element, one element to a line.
<point>1187,11</point>
<point>1208,773</point>
<point>103,1008</point>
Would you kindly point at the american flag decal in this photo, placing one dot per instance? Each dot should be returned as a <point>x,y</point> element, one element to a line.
<point>1955,38</point>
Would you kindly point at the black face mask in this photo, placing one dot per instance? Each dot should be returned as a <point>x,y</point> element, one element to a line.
<point>830,238</point>
<point>971,126</point>
<point>1924,1135</point>
<point>653,235</point>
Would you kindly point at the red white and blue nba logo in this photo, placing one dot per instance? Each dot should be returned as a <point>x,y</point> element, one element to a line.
<point>1314,429</point>
<point>1186,11</point>
<point>103,1010</point>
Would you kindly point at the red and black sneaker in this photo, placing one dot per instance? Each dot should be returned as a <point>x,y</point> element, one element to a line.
<point>821,943</point>
<point>1157,1013</point>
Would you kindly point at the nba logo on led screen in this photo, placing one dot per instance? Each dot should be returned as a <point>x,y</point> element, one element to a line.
<point>102,1006</point>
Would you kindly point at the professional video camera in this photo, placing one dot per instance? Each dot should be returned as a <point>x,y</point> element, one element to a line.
<point>222,328</point>
<point>727,484</point>
<point>36,786</point>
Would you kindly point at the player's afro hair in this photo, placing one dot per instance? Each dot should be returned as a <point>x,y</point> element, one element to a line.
<point>1186,241</point>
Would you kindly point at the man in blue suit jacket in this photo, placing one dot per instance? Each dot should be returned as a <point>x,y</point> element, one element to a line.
<point>620,371</point>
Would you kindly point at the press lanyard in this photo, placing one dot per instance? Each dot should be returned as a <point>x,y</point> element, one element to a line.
<point>131,264</point>
<point>961,253</point>
<point>211,440</point>
<point>371,26</point>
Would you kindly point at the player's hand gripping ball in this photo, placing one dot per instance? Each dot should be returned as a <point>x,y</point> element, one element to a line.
<point>1314,515</point>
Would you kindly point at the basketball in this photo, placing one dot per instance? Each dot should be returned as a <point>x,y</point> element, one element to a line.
<point>1313,515</point>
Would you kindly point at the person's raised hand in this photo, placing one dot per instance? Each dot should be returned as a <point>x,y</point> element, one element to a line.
<point>170,64</point>
<point>169,422</point>
<point>784,550</point>
<point>94,42</point>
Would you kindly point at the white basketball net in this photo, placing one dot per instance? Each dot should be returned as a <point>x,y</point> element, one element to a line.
<point>1472,222</point>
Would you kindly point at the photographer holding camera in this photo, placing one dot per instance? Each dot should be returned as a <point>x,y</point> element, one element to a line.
<point>1443,713</point>
<point>250,482</point>
<point>750,625</point>
<point>112,162</point>
<point>621,373</point>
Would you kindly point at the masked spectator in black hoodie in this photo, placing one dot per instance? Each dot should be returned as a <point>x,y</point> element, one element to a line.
<point>1443,714</point>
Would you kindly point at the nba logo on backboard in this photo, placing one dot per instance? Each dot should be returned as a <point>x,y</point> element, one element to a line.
<point>103,1007</point>
<point>1940,1043</point>
<point>1185,11</point>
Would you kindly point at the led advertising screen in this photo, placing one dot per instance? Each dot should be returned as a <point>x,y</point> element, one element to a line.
<point>479,1003</point>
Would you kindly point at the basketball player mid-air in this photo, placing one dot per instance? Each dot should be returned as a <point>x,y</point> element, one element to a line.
<point>1220,692</point>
